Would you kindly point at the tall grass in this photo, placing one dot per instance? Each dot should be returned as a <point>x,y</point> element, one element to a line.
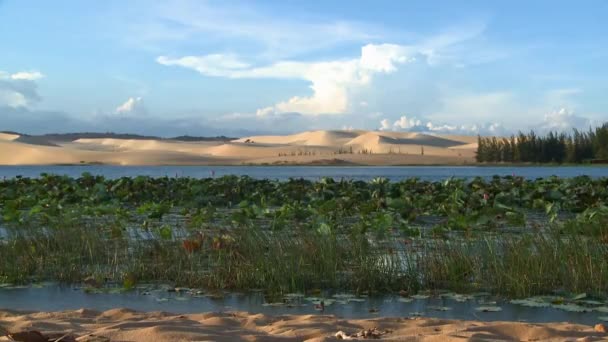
<point>293,260</point>
<point>518,266</point>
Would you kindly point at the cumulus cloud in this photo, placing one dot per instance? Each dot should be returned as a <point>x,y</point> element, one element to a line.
<point>331,81</point>
<point>564,119</point>
<point>385,125</point>
<point>405,123</point>
<point>133,106</point>
<point>413,124</point>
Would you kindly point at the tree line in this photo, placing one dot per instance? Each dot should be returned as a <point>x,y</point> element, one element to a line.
<point>554,147</point>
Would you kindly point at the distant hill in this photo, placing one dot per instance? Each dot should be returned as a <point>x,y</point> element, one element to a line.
<point>67,137</point>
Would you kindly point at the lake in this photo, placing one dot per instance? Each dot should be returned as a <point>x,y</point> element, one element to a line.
<point>55,297</point>
<point>432,173</point>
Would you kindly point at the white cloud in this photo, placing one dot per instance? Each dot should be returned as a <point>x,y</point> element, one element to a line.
<point>405,123</point>
<point>413,124</point>
<point>133,106</point>
<point>331,81</point>
<point>564,119</point>
<point>385,125</point>
<point>210,65</point>
<point>27,75</point>
<point>267,34</point>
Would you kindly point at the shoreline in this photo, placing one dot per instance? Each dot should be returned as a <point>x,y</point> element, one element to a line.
<point>122,324</point>
<point>343,165</point>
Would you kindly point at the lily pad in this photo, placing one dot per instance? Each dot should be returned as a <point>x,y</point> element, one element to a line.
<point>359,300</point>
<point>420,296</point>
<point>571,307</point>
<point>590,302</point>
<point>580,296</point>
<point>456,296</point>
<point>274,304</point>
<point>487,302</point>
<point>439,308</point>
<point>531,302</point>
<point>488,309</point>
<point>343,296</point>
<point>313,299</point>
<point>294,295</point>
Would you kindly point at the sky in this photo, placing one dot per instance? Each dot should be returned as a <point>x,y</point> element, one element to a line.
<point>237,68</point>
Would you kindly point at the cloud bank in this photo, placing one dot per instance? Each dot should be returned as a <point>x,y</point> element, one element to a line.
<point>414,124</point>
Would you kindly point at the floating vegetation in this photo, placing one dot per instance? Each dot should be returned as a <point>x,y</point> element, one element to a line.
<point>506,236</point>
<point>457,297</point>
<point>274,304</point>
<point>488,309</point>
<point>534,302</point>
<point>405,299</point>
<point>439,308</point>
<point>420,296</point>
<point>343,296</point>
<point>571,308</point>
<point>293,296</point>
<point>359,300</point>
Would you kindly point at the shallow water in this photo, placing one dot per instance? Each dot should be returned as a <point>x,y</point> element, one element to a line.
<point>393,173</point>
<point>53,298</point>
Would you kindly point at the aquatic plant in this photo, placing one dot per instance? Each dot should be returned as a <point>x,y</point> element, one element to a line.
<point>506,235</point>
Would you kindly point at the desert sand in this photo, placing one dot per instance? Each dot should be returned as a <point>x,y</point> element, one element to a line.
<point>313,147</point>
<point>128,325</point>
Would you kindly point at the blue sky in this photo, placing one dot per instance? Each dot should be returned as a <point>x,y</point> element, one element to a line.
<point>241,67</point>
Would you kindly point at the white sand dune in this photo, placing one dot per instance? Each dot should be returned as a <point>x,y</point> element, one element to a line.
<point>407,143</point>
<point>8,136</point>
<point>311,138</point>
<point>312,147</point>
<point>146,145</point>
<point>471,146</point>
<point>129,325</point>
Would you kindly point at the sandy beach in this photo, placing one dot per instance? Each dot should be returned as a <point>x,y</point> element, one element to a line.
<point>128,325</point>
<point>312,148</point>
